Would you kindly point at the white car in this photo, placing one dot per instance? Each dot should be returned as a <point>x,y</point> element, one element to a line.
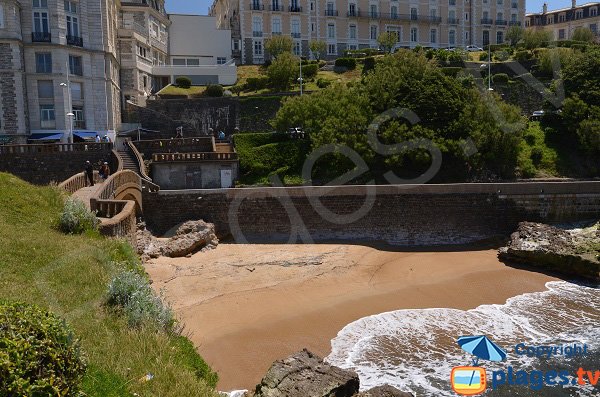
<point>473,48</point>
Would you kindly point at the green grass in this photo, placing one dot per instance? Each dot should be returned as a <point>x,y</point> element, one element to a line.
<point>174,90</point>
<point>69,274</point>
<point>536,158</point>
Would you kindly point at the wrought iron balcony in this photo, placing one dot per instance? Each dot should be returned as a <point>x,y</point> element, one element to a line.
<point>295,9</point>
<point>514,23</point>
<point>453,21</point>
<point>41,37</point>
<point>331,13</point>
<point>75,40</point>
<point>257,34</point>
<point>275,7</point>
<point>501,22</point>
<point>257,6</point>
<point>354,14</point>
<point>296,35</point>
<point>486,21</point>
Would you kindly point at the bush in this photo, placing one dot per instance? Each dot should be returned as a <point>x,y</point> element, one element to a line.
<point>451,71</point>
<point>501,55</point>
<point>348,63</point>
<point>483,56</point>
<point>283,71</point>
<point>237,89</point>
<point>183,82</point>
<point>130,292</point>
<point>39,355</point>
<point>522,56</point>
<point>322,63</point>
<point>323,83</point>
<point>536,155</point>
<point>500,78</point>
<point>310,71</point>
<point>369,64</point>
<point>76,218</point>
<point>214,90</point>
<point>257,83</point>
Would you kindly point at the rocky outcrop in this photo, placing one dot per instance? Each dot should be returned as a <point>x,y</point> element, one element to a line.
<point>189,238</point>
<point>384,391</point>
<point>573,252</point>
<point>304,374</point>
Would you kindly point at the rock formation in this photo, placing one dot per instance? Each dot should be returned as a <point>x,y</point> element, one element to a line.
<point>384,391</point>
<point>190,237</point>
<point>573,252</point>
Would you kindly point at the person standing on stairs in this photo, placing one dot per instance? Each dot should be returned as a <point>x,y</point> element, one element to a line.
<point>89,172</point>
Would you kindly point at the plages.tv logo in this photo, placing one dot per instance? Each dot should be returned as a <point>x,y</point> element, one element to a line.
<point>471,380</point>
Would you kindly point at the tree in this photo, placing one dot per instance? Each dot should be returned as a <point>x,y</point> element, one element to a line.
<point>278,45</point>
<point>583,33</point>
<point>387,40</point>
<point>317,47</point>
<point>283,70</point>
<point>534,38</point>
<point>514,35</point>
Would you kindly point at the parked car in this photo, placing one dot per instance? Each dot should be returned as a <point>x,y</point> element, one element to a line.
<point>537,115</point>
<point>473,48</point>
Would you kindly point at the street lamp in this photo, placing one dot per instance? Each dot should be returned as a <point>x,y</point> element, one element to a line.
<point>490,67</point>
<point>70,115</point>
<point>300,78</point>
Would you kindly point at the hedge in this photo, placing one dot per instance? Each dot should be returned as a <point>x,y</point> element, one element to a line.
<point>323,83</point>
<point>183,82</point>
<point>369,64</point>
<point>310,71</point>
<point>451,71</point>
<point>500,78</point>
<point>349,63</point>
<point>214,90</point>
<point>257,83</point>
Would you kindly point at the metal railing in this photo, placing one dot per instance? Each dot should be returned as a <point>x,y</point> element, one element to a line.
<point>514,23</point>
<point>75,40</point>
<point>41,37</point>
<point>208,156</point>
<point>257,34</point>
<point>331,13</point>
<point>55,147</point>
<point>275,7</point>
<point>295,9</point>
<point>501,22</point>
<point>257,6</point>
<point>486,21</point>
<point>453,21</point>
<point>296,35</point>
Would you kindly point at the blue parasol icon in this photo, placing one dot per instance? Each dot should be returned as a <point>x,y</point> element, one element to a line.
<point>482,348</point>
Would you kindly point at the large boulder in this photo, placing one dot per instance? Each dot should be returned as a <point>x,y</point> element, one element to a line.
<point>189,238</point>
<point>384,391</point>
<point>304,374</point>
<point>573,252</point>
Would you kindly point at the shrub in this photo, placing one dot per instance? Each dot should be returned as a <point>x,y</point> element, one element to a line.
<point>214,90</point>
<point>257,83</point>
<point>483,56</point>
<point>536,155</point>
<point>500,78</point>
<point>283,71</point>
<point>183,82</point>
<point>39,355</point>
<point>76,218</point>
<point>349,63</point>
<point>369,64</point>
<point>322,63</point>
<point>501,55</point>
<point>323,83</point>
<point>310,71</point>
<point>130,292</point>
<point>451,71</point>
<point>522,56</point>
<point>237,89</point>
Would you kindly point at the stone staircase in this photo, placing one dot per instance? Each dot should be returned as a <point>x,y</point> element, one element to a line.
<point>129,160</point>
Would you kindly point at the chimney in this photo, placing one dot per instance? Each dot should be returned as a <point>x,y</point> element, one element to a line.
<point>573,3</point>
<point>545,8</point>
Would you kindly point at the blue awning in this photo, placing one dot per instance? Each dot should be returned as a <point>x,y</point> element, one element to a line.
<point>46,137</point>
<point>86,135</point>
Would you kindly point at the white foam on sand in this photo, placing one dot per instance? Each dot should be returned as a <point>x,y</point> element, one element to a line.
<point>234,393</point>
<point>415,350</point>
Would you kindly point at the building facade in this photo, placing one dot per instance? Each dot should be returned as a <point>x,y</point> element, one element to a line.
<point>563,22</point>
<point>355,24</point>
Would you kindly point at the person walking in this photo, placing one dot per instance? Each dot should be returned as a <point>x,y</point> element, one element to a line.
<point>89,172</point>
<point>97,139</point>
<point>105,171</point>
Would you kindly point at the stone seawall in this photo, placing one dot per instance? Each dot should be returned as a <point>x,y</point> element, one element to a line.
<point>402,215</point>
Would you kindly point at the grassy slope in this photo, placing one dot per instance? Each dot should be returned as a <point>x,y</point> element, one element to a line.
<point>69,275</point>
<point>174,90</point>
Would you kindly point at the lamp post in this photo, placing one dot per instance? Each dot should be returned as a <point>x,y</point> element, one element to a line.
<point>490,67</point>
<point>300,78</point>
<point>70,114</point>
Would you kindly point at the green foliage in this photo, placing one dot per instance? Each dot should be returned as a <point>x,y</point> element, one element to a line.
<point>451,71</point>
<point>317,47</point>
<point>323,83</point>
<point>483,56</point>
<point>580,75</point>
<point>514,34</point>
<point>523,55</point>
<point>214,90</point>
<point>283,71</point>
<point>39,354</point>
<point>535,38</point>
<point>387,40</point>
<point>236,89</point>
<point>183,82</point>
<point>536,157</point>
<point>76,218</point>
<point>500,78</point>
<point>553,59</point>
<point>501,56</point>
<point>130,292</point>
<point>310,71</point>
<point>369,64</point>
<point>583,34</point>
<point>277,45</point>
<point>257,83</point>
<point>456,57</point>
<point>348,63</point>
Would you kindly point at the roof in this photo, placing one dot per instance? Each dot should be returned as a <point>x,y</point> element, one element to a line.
<point>563,9</point>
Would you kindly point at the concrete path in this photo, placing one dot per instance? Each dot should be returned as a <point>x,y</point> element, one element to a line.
<point>86,193</point>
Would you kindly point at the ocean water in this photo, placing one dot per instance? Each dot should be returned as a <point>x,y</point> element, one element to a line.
<point>415,350</point>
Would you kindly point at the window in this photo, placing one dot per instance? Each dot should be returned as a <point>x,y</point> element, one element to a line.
<point>352,32</point>
<point>500,17</point>
<point>593,12</point>
<point>258,51</point>
<point>178,62</point>
<point>466,37</point>
<point>453,2</point>
<point>295,26</point>
<point>312,27</point>
<point>351,10</point>
<point>297,48</point>
<point>578,14</point>
<point>414,35</point>
<point>257,24</point>
<point>433,36</point>
<point>193,62</point>
<point>451,15</point>
<point>40,3</point>
<point>142,51</point>
<point>499,37</point>
<point>221,60</point>
<point>1,16</point>
<point>433,13</point>
<point>331,49</point>
<point>413,14</point>
<point>394,12</point>
<point>145,81</point>
<point>330,8</point>
<point>331,31</point>
<point>352,47</point>
<point>373,32</point>
<point>78,118</point>
<point>76,91</point>
<point>513,17</point>
<point>43,62</point>
<point>45,89</point>
<point>40,22</point>
<point>561,34</point>
<point>75,65</point>
<point>561,18</point>
<point>276,25</point>
<point>499,2</point>
<point>72,26</point>
<point>452,38</point>
<point>46,114</point>
<point>486,15</point>
<point>395,31</point>
<point>236,45</point>
<point>373,11</point>
<point>486,37</point>
<point>312,6</point>
<point>71,7</point>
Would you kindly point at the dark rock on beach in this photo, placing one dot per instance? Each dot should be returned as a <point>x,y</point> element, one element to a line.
<point>572,252</point>
<point>384,391</point>
<point>189,238</point>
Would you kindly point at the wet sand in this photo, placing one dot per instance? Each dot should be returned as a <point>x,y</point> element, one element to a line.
<point>245,306</point>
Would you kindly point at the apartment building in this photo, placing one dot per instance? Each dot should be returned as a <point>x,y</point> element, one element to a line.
<point>563,22</point>
<point>356,24</point>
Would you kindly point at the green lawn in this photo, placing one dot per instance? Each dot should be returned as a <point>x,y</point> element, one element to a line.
<point>69,275</point>
<point>174,90</point>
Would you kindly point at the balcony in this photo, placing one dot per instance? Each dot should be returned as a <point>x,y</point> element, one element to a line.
<point>295,9</point>
<point>431,19</point>
<point>373,15</point>
<point>514,5</point>
<point>275,7</point>
<point>257,34</point>
<point>75,40</point>
<point>295,35</point>
<point>275,33</point>
<point>331,13</point>
<point>453,21</point>
<point>353,14</point>
<point>41,37</point>
<point>257,7</point>
<point>501,22</point>
<point>486,21</point>
<point>394,16</point>
<point>514,23</point>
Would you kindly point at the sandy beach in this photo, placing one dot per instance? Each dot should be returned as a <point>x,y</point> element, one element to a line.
<point>245,306</point>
